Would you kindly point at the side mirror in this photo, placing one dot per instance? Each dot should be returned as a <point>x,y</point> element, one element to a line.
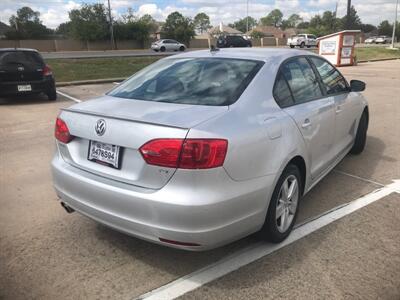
<point>357,85</point>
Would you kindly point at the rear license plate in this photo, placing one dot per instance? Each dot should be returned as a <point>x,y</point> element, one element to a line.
<point>24,88</point>
<point>105,154</point>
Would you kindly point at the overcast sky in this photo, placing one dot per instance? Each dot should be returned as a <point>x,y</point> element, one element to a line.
<point>54,12</point>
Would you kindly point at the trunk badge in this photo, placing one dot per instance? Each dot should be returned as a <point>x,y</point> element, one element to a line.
<point>100,127</point>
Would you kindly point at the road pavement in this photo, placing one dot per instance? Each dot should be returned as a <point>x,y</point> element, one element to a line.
<point>46,253</point>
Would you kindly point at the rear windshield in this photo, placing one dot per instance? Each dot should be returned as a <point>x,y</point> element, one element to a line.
<point>20,57</point>
<point>197,81</point>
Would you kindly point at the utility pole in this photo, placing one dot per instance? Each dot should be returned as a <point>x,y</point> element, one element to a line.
<point>394,25</point>
<point>348,14</point>
<point>247,19</point>
<point>111,26</point>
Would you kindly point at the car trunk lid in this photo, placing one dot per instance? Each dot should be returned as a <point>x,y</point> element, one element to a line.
<point>129,124</point>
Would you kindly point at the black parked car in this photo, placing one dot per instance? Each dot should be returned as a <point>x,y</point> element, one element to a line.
<point>23,71</point>
<point>227,41</point>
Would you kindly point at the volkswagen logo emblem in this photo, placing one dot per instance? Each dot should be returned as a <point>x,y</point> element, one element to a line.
<point>100,127</point>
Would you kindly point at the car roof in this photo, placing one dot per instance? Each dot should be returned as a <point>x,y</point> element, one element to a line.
<point>262,54</point>
<point>17,49</point>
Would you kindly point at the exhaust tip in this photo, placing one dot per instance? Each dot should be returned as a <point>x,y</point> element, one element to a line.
<point>67,208</point>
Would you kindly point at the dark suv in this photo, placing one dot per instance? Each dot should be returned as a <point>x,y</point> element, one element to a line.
<point>227,41</point>
<point>23,71</point>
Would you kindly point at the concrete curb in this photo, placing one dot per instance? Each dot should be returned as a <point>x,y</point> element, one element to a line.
<point>118,79</point>
<point>93,81</point>
<point>378,59</point>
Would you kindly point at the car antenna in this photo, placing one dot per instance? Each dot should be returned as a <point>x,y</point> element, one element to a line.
<point>213,48</point>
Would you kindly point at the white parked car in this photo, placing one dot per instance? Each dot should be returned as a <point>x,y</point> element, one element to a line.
<point>302,40</point>
<point>167,45</point>
<point>383,39</point>
<point>370,40</point>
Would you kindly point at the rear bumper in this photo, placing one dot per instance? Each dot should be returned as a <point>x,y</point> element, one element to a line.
<point>39,86</point>
<point>210,210</point>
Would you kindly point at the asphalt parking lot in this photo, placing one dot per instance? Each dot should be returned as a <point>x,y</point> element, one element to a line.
<point>47,253</point>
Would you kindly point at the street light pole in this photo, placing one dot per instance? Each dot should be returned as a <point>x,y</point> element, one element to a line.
<point>111,26</point>
<point>394,25</point>
<point>247,19</point>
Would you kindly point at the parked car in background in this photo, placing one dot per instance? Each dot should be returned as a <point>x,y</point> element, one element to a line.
<point>230,41</point>
<point>370,40</point>
<point>167,45</point>
<point>383,39</point>
<point>201,149</point>
<point>23,71</point>
<point>302,40</point>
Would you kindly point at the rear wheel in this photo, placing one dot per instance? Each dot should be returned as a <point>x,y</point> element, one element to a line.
<point>291,46</point>
<point>361,135</point>
<point>181,48</point>
<point>283,207</point>
<point>52,94</point>
<point>302,45</point>
<point>162,49</point>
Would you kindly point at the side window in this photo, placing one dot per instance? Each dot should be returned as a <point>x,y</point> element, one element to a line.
<point>333,81</point>
<point>282,92</point>
<point>302,80</point>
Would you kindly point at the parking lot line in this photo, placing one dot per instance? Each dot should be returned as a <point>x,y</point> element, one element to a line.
<point>359,178</point>
<point>252,253</point>
<point>69,97</point>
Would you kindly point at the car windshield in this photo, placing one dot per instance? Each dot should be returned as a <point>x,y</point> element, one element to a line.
<point>197,81</point>
<point>20,57</point>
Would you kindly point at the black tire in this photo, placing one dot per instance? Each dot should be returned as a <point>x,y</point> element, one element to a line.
<point>361,135</point>
<point>270,231</point>
<point>302,45</point>
<point>162,49</point>
<point>155,50</point>
<point>181,48</point>
<point>308,46</point>
<point>291,46</point>
<point>52,95</point>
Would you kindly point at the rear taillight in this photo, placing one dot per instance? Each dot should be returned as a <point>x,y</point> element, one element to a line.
<point>185,153</point>
<point>47,71</point>
<point>62,132</point>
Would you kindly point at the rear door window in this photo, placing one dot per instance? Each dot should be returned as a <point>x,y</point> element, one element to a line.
<point>333,81</point>
<point>301,79</point>
<point>20,57</point>
<point>282,93</point>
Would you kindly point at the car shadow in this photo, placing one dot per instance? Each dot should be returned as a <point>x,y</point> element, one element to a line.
<point>28,99</point>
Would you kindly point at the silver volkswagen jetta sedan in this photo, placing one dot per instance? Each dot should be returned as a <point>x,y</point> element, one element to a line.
<point>203,148</point>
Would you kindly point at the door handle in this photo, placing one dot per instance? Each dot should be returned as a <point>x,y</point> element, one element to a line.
<point>338,109</point>
<point>306,123</point>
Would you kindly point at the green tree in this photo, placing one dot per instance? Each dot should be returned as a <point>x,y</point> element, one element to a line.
<point>27,25</point>
<point>89,22</point>
<point>241,24</point>
<point>257,34</point>
<point>385,28</point>
<point>64,29</point>
<point>274,18</point>
<point>368,28</point>
<point>330,22</point>
<point>201,22</point>
<point>294,20</point>
<point>178,27</point>
<point>303,25</point>
<point>130,27</point>
<point>353,22</point>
